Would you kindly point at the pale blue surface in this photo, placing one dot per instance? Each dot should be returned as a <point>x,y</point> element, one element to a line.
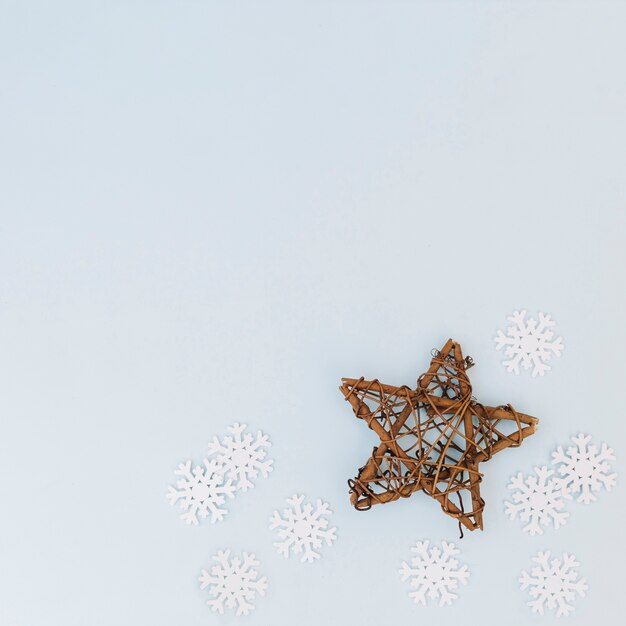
<point>211,211</point>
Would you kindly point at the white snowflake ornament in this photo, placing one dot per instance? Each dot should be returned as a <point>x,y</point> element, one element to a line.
<point>200,491</point>
<point>553,584</point>
<point>302,528</point>
<point>233,583</point>
<point>538,500</point>
<point>433,573</point>
<point>584,468</point>
<point>529,343</point>
<point>242,456</point>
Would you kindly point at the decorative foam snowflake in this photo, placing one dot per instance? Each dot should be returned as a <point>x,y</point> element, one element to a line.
<point>553,584</point>
<point>529,343</point>
<point>200,492</point>
<point>433,573</point>
<point>303,528</point>
<point>234,582</point>
<point>584,468</point>
<point>538,500</point>
<point>241,456</point>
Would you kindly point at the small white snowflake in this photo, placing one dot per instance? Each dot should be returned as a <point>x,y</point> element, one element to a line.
<point>529,343</point>
<point>553,583</point>
<point>433,573</point>
<point>303,528</point>
<point>234,582</point>
<point>242,456</point>
<point>538,500</point>
<point>200,492</point>
<point>584,468</point>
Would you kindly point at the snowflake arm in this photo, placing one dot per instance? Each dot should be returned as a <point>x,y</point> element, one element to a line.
<point>585,469</point>
<point>242,456</point>
<point>200,492</point>
<point>432,573</point>
<point>302,528</point>
<point>233,583</point>
<point>553,584</point>
<point>529,343</point>
<point>537,500</point>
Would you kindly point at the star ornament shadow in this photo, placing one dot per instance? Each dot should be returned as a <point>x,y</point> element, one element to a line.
<point>432,438</point>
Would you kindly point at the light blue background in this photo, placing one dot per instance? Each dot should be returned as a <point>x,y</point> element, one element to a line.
<point>211,211</point>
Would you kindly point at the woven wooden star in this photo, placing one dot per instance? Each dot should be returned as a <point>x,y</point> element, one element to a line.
<point>433,438</point>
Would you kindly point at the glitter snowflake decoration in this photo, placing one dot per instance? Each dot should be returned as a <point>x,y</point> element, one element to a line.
<point>433,573</point>
<point>529,343</point>
<point>538,500</point>
<point>241,456</point>
<point>553,584</point>
<point>233,583</point>
<point>302,528</point>
<point>584,468</point>
<point>200,491</point>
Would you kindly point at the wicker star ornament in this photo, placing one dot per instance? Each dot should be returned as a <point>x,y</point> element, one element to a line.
<point>432,438</point>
